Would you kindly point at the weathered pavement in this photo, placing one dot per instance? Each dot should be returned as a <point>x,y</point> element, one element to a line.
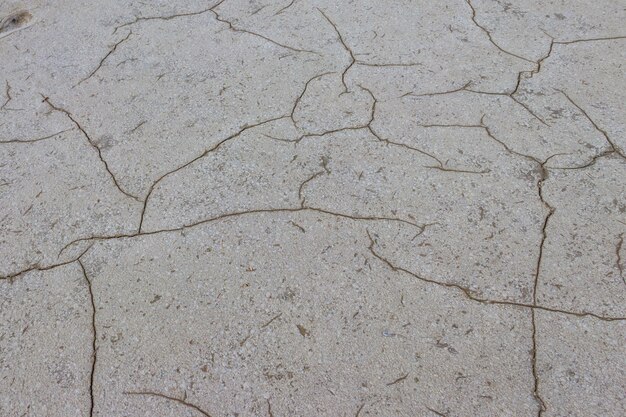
<point>313,208</point>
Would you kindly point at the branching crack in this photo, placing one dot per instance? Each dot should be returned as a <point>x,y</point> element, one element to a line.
<point>106,57</point>
<point>38,267</point>
<point>93,145</point>
<point>346,47</point>
<point>258,35</point>
<point>182,401</point>
<point>441,166</point>
<point>200,156</point>
<point>219,19</point>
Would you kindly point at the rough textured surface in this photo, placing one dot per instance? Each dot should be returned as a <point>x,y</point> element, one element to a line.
<point>312,208</point>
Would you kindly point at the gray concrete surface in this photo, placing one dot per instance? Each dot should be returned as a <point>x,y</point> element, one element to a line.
<point>313,208</point>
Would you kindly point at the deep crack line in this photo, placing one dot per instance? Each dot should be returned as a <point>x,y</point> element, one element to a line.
<point>237,214</point>
<point>130,32</point>
<point>618,250</point>
<point>544,237</point>
<point>94,347</point>
<point>93,145</point>
<point>346,47</point>
<point>182,401</point>
<point>540,402</point>
<point>469,294</point>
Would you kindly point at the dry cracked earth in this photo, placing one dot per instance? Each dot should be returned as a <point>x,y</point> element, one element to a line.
<point>313,208</point>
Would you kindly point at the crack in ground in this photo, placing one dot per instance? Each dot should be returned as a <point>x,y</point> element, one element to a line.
<point>614,148</point>
<point>38,267</point>
<point>618,250</point>
<point>608,38</point>
<point>243,213</point>
<point>346,47</point>
<point>46,99</point>
<point>94,347</point>
<point>529,74</point>
<point>469,3</point>
<point>219,18</point>
<point>470,295</point>
<point>182,401</point>
<point>236,29</point>
<point>299,98</point>
<point>441,166</point>
<point>111,51</point>
<point>436,412</point>
<point>285,7</point>
<point>200,156</point>
<point>465,88</point>
<point>35,140</point>
<point>7,93</point>
<point>169,17</point>
<point>540,402</point>
<point>544,236</point>
<point>304,183</point>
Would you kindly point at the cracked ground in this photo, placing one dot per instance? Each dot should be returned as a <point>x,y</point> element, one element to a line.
<point>313,208</point>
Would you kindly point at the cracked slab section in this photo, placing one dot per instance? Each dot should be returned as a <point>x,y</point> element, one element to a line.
<point>335,326</point>
<point>45,352</point>
<point>312,208</point>
<point>184,101</point>
<point>581,375</point>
